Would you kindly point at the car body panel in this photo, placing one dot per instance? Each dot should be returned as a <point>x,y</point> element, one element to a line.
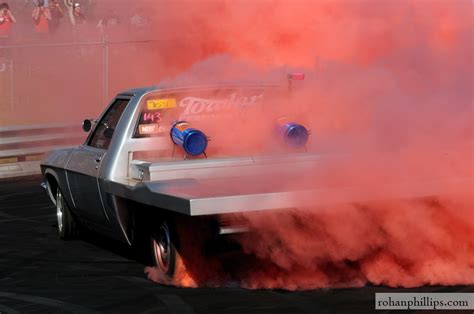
<point>82,172</point>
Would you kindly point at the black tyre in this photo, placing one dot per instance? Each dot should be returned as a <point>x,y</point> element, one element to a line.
<point>177,246</point>
<point>67,228</point>
<point>164,242</point>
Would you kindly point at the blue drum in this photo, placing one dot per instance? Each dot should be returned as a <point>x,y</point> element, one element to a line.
<point>193,142</point>
<point>294,134</point>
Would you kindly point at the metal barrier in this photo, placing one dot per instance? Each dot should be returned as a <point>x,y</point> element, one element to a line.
<point>22,147</point>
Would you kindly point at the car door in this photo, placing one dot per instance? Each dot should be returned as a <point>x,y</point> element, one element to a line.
<point>84,166</point>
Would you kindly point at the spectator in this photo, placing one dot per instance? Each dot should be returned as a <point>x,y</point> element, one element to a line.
<point>35,2</point>
<point>57,14</point>
<point>6,20</point>
<point>75,15</point>
<point>41,16</point>
<point>138,21</point>
<point>111,20</point>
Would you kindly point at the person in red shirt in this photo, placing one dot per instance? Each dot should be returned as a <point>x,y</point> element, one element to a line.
<point>41,16</point>
<point>6,20</point>
<point>56,15</point>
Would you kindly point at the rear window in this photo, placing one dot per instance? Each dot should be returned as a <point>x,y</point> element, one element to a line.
<point>199,107</point>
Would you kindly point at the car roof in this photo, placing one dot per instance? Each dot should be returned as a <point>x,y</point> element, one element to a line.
<point>183,87</point>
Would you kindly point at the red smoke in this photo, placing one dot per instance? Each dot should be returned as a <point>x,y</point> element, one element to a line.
<point>388,84</point>
<point>393,244</point>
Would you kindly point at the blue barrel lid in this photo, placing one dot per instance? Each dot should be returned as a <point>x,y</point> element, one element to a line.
<point>194,142</point>
<point>296,135</point>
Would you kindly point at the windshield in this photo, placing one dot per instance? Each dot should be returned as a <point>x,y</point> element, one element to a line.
<point>161,109</point>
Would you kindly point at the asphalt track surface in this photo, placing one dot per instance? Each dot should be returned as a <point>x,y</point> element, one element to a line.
<point>41,274</point>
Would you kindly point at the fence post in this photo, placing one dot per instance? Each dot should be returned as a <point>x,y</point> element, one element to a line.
<point>12,87</point>
<point>106,69</point>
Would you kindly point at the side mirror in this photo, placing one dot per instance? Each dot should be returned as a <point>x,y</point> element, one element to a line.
<point>86,125</point>
<point>108,133</point>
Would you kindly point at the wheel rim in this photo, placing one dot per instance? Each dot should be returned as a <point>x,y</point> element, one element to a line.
<point>162,247</point>
<point>59,211</point>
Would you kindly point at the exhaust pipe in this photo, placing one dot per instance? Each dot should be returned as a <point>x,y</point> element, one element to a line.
<point>231,226</point>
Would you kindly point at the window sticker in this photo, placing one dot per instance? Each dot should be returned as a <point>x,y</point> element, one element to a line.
<point>151,117</point>
<point>155,104</point>
<point>145,129</point>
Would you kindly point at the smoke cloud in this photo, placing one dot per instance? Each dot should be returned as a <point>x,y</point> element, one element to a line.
<point>388,84</point>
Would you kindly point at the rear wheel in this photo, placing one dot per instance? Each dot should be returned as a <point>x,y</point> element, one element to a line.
<point>178,249</point>
<point>164,253</point>
<point>66,226</point>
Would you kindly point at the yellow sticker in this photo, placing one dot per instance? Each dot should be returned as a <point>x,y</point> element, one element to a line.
<point>154,104</point>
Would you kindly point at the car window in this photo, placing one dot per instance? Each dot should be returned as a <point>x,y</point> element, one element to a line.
<point>108,121</point>
<point>160,110</point>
